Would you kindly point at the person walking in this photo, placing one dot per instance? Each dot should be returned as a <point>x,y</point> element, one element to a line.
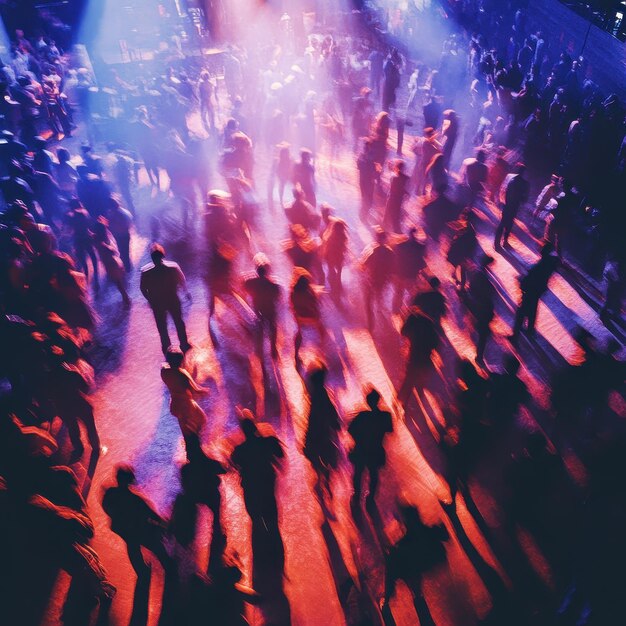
<point>368,430</point>
<point>513,193</point>
<point>160,283</point>
<point>533,286</point>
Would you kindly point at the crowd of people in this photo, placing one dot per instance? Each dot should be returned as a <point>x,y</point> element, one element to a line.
<point>502,92</point>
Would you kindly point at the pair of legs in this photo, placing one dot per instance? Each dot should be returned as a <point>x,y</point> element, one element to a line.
<point>270,326</point>
<point>316,324</point>
<point>373,469</point>
<point>526,312</point>
<point>415,377</point>
<point>123,245</point>
<point>160,317</point>
<point>503,230</point>
<point>71,416</point>
<point>83,251</point>
<point>374,296</point>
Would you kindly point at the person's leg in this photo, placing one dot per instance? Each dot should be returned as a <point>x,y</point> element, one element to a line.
<point>408,384</point>
<point>520,316</point>
<point>298,344</point>
<point>119,283</point>
<point>73,430</point>
<point>160,317</point>
<point>497,238</point>
<point>123,245</point>
<point>481,342</point>
<point>374,478</point>
<point>357,480</point>
<point>94,261</point>
<point>532,315</point>
<point>179,323</point>
<point>89,421</point>
<point>138,563</point>
<point>273,334</point>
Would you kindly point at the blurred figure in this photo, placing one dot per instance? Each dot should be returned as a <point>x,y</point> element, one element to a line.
<point>513,194</point>
<point>305,305</point>
<point>182,387</point>
<point>264,295</point>
<point>533,286</point>
<point>160,283</point>
<point>368,430</point>
<point>134,519</point>
<point>398,190</point>
<point>421,333</point>
<point>376,262</point>
<point>321,444</point>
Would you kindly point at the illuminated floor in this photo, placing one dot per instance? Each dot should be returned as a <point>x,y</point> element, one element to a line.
<point>132,415</point>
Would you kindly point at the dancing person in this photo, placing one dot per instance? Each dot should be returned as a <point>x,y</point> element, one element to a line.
<point>321,443</point>
<point>160,284</point>
<point>533,285</point>
<point>182,387</point>
<point>368,430</point>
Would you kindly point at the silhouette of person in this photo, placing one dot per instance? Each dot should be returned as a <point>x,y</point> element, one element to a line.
<point>160,283</point>
<point>134,519</point>
<point>513,193</point>
<point>321,444</point>
<point>432,302</point>
<point>264,295</point>
<point>202,474</point>
<point>182,387</point>
<point>420,550</point>
<point>481,296</point>
<point>410,260</point>
<point>376,262</point>
<point>533,286</point>
<point>423,338</point>
<point>306,307</point>
<point>257,459</point>
<point>398,190</point>
<point>368,430</point>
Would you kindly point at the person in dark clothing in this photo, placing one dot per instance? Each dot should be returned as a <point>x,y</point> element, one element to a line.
<point>257,460</point>
<point>420,550</point>
<point>123,170</point>
<point>201,477</point>
<point>423,338</point>
<point>368,430</point>
<point>463,246</point>
<point>409,262</point>
<point>369,171</point>
<point>533,286</point>
<point>134,519</point>
<point>160,283</point>
<point>93,192</point>
<point>398,190</point>
<point>513,194</point>
<point>481,295</point>
<point>391,81</point>
<point>120,222</point>
<point>505,395</point>
<point>264,295</point>
<point>431,301</point>
<point>321,444</point>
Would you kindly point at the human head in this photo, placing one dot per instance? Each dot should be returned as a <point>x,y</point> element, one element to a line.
<point>157,253</point>
<point>174,357</point>
<point>520,168</point>
<point>248,426</point>
<point>511,364</point>
<point>63,154</point>
<point>125,475</point>
<point>372,398</point>
<point>481,156</point>
<point>317,374</point>
<point>305,155</point>
<point>434,282</point>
